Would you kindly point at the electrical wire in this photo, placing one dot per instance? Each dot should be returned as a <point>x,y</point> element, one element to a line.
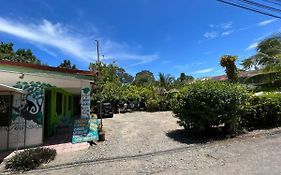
<point>261,5</point>
<point>250,9</point>
<point>273,2</point>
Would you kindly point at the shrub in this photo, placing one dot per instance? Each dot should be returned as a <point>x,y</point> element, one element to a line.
<point>30,159</point>
<point>262,111</point>
<point>203,105</point>
<point>152,105</point>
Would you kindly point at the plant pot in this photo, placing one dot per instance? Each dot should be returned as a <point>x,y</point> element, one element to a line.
<point>101,136</point>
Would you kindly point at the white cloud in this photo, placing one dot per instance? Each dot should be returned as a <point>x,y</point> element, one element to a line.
<point>266,22</point>
<point>202,71</point>
<point>227,25</point>
<point>223,29</point>
<point>212,25</point>
<point>187,66</point>
<point>252,46</point>
<point>58,36</point>
<point>211,35</point>
<point>227,32</point>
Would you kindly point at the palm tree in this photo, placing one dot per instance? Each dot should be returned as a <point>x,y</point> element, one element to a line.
<point>268,56</point>
<point>165,81</point>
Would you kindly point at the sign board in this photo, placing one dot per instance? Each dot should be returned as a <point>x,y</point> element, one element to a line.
<point>85,130</point>
<point>85,102</point>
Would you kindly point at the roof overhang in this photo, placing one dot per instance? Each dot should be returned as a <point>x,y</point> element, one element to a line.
<point>6,88</point>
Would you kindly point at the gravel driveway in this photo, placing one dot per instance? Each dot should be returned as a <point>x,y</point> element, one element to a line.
<point>131,134</point>
<point>152,143</point>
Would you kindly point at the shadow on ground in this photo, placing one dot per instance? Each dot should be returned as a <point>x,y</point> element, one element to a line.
<point>180,135</point>
<point>4,154</point>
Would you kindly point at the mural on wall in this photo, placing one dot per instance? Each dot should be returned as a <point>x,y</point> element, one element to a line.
<point>32,107</point>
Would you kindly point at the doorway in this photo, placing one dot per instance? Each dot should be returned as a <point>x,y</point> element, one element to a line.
<point>47,112</point>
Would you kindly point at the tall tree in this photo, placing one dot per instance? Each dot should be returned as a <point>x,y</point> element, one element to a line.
<point>268,56</point>
<point>67,65</point>
<point>185,78</point>
<point>228,61</point>
<point>21,55</point>
<point>112,73</point>
<point>165,81</point>
<point>26,56</point>
<point>144,78</point>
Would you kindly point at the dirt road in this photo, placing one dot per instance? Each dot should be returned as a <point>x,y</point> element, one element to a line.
<point>152,143</point>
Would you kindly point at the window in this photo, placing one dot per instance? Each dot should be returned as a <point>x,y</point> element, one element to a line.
<point>59,104</point>
<point>5,109</point>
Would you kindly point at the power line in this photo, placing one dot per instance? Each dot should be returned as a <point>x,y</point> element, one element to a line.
<point>250,9</point>
<point>260,5</point>
<point>273,2</point>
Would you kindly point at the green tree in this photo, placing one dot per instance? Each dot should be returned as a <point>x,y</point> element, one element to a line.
<point>112,73</point>
<point>144,78</point>
<point>165,81</point>
<point>7,51</point>
<point>268,56</point>
<point>21,55</point>
<point>182,80</point>
<point>67,65</point>
<point>228,62</point>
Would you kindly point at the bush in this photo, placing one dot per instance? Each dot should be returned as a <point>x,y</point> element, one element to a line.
<point>30,159</point>
<point>152,105</point>
<point>262,111</point>
<point>204,105</point>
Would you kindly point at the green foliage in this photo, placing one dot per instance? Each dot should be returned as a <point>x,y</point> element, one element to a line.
<point>267,81</point>
<point>67,65</point>
<point>185,78</point>
<point>203,105</point>
<point>262,111</point>
<point>228,62</point>
<point>267,57</point>
<point>30,159</point>
<point>111,73</point>
<point>166,81</point>
<point>152,104</point>
<point>111,92</point>
<point>144,78</point>
<point>21,55</point>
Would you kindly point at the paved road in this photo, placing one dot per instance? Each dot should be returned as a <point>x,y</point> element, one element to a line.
<point>152,143</point>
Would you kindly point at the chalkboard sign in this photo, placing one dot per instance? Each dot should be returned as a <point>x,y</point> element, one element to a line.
<point>85,130</point>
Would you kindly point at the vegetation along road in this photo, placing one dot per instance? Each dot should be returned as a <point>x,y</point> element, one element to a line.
<point>152,143</point>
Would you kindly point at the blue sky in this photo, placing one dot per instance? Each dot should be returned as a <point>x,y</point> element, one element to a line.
<point>157,35</point>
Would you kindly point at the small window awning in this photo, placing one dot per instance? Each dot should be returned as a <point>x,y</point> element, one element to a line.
<point>6,88</point>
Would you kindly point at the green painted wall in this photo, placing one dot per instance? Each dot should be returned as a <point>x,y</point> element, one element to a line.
<point>55,121</point>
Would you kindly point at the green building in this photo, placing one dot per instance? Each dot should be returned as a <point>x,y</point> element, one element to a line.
<point>38,102</point>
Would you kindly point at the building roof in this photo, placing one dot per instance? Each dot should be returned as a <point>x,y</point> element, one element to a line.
<point>241,74</point>
<point>5,88</point>
<point>35,68</point>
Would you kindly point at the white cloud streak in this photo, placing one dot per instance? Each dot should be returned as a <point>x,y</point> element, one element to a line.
<point>226,33</point>
<point>223,29</point>
<point>252,46</point>
<point>210,35</point>
<point>60,37</point>
<point>266,22</point>
<point>202,71</point>
<point>227,25</point>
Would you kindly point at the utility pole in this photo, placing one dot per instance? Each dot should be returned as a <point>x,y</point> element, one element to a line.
<point>99,81</point>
